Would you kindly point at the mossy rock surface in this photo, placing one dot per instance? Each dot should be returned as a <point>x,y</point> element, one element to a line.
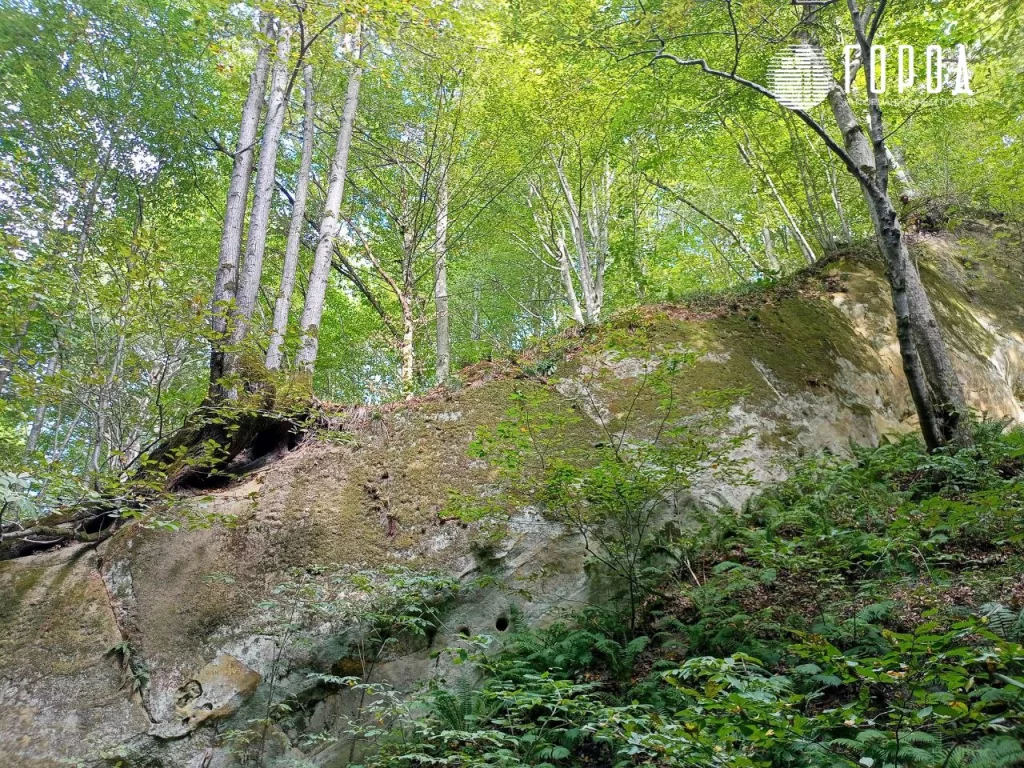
<point>813,365</point>
<point>63,695</point>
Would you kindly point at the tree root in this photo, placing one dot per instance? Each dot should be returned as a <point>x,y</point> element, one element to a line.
<point>214,446</point>
<point>90,526</point>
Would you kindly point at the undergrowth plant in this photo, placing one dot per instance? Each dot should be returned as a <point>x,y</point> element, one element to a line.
<point>863,614</point>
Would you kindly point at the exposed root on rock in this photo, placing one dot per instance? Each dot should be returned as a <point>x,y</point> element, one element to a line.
<point>90,522</point>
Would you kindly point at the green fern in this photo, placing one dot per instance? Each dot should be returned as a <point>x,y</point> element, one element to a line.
<point>992,752</point>
<point>1003,621</point>
<point>463,708</point>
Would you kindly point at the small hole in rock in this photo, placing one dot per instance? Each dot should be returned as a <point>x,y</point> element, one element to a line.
<point>463,631</point>
<point>501,624</point>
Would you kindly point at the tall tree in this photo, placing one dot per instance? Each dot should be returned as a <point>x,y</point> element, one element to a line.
<point>934,386</point>
<point>259,218</point>
<point>313,310</point>
<point>282,306</point>
<point>234,213</point>
<point>444,343</point>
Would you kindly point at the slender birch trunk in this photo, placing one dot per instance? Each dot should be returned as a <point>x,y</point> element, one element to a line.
<point>587,283</point>
<point>312,311</point>
<point>475,331</point>
<point>833,186</point>
<point>234,212</point>
<point>291,253</point>
<point>805,247</point>
<point>40,415</point>
<point>102,405</point>
<point>559,252</point>
<point>405,296</point>
<point>565,269</point>
<point>441,282</point>
<point>815,211</point>
<point>263,195</point>
<point>769,248</point>
<point>598,218</point>
<point>908,190</point>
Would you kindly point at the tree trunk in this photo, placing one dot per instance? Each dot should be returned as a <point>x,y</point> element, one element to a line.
<point>898,270</point>
<point>40,416</point>
<point>408,350</point>
<point>769,248</point>
<point>475,331</point>
<point>441,282</point>
<point>313,310</point>
<point>949,405</point>
<point>833,187</point>
<point>856,143</point>
<point>587,283</point>
<point>565,269</point>
<point>405,297</point>
<point>263,195</point>
<point>805,247</point>
<point>291,253</point>
<point>908,190</point>
<point>234,212</point>
<point>103,405</point>
<point>598,220</point>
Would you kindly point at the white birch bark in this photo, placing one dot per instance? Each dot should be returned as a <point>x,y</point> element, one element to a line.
<point>291,252</point>
<point>234,212</point>
<point>405,296</point>
<point>313,310</point>
<point>40,416</point>
<point>856,143</point>
<point>441,282</point>
<point>908,190</point>
<point>565,269</point>
<point>769,248</point>
<point>263,195</point>
<point>579,238</point>
<point>598,217</point>
<point>559,253</point>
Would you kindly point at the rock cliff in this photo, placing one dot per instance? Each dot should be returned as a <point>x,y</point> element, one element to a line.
<point>146,649</point>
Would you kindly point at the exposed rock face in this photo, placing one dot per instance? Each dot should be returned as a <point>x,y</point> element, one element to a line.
<point>814,367</point>
<point>61,693</point>
<point>216,692</point>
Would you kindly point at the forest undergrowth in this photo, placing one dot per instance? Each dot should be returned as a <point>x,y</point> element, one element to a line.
<point>865,612</point>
